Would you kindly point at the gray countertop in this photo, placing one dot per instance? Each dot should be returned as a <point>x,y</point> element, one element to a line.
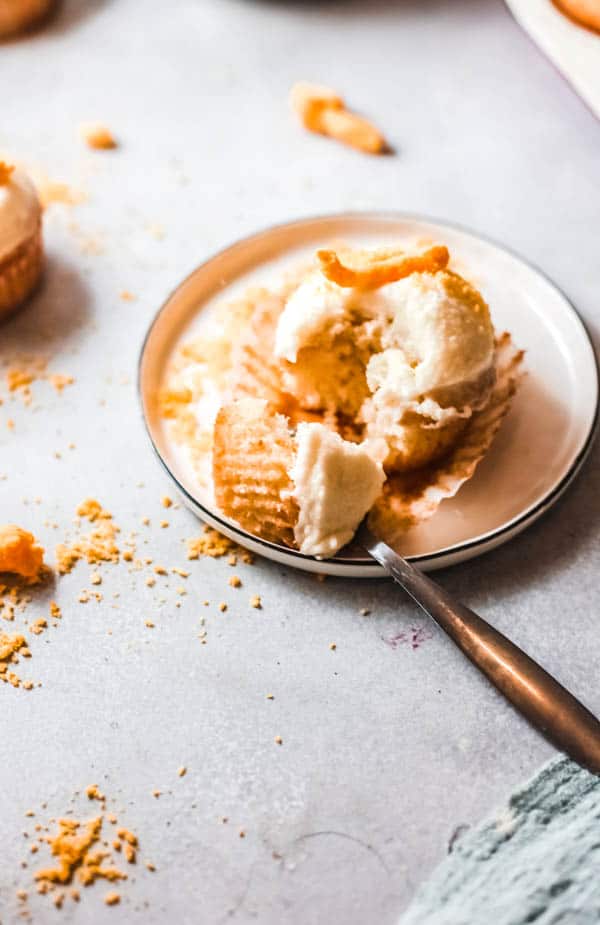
<point>387,747</point>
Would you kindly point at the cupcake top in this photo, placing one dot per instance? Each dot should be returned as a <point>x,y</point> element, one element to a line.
<point>20,209</point>
<point>419,336</point>
<point>438,334</point>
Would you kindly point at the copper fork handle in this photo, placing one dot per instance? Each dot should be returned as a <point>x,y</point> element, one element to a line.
<point>536,694</point>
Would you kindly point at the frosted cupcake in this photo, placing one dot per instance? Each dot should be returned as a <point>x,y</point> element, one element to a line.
<point>396,342</point>
<point>18,15</point>
<point>21,252</point>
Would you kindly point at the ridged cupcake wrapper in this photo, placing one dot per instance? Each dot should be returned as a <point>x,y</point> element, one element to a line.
<point>20,273</point>
<point>413,497</point>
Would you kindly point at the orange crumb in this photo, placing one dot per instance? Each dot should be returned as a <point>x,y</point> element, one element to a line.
<point>58,900</point>
<point>5,173</point>
<point>9,645</point>
<point>333,646</point>
<point>156,794</point>
<point>129,854</point>
<point>97,136</point>
<point>55,610</point>
<point>74,895</point>
<point>84,597</point>
<point>127,296</point>
<point>235,581</point>
<point>19,552</point>
<point>211,543</point>
<point>180,572</point>
<point>181,772</point>
<point>242,834</point>
<point>38,626</point>
<point>222,606</point>
<point>256,602</point>
<point>22,895</point>
<point>166,501</point>
<point>150,866</point>
<point>278,740</point>
<point>95,578</point>
<point>59,381</point>
<point>97,546</point>
<point>127,836</point>
<point>73,846</point>
<point>112,899</point>
<point>111,818</point>
<point>323,111</point>
<point>270,697</point>
<point>93,793</point>
<point>149,624</point>
<point>17,378</point>
<point>160,570</point>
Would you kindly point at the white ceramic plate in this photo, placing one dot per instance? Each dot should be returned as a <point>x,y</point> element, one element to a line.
<point>542,442</point>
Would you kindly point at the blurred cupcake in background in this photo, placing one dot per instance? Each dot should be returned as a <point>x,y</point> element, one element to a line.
<point>583,12</point>
<point>21,250</point>
<point>18,15</point>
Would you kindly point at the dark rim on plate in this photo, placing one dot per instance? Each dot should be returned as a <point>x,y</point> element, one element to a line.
<point>531,514</point>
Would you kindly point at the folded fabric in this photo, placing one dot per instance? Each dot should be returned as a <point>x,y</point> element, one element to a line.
<point>536,861</point>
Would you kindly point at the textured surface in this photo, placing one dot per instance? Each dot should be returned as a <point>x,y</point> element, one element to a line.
<point>544,850</point>
<point>390,741</point>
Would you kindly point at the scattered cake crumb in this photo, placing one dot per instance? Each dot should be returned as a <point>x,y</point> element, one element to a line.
<point>97,136</point>
<point>38,626</point>
<point>278,740</point>
<point>333,646</point>
<point>166,501</point>
<point>211,543</point>
<point>222,606</point>
<point>256,602</point>
<point>93,793</point>
<point>235,581</point>
<point>181,772</point>
<point>97,546</point>
<point>20,553</point>
<point>112,899</point>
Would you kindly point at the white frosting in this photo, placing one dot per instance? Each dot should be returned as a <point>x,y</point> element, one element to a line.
<point>19,212</point>
<point>433,338</point>
<point>335,484</point>
<point>313,309</point>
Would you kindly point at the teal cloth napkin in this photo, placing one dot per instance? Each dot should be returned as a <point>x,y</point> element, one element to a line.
<point>536,861</point>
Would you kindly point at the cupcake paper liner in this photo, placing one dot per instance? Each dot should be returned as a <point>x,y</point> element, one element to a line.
<point>20,273</point>
<point>413,497</point>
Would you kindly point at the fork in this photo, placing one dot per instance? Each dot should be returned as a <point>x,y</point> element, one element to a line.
<point>548,706</point>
